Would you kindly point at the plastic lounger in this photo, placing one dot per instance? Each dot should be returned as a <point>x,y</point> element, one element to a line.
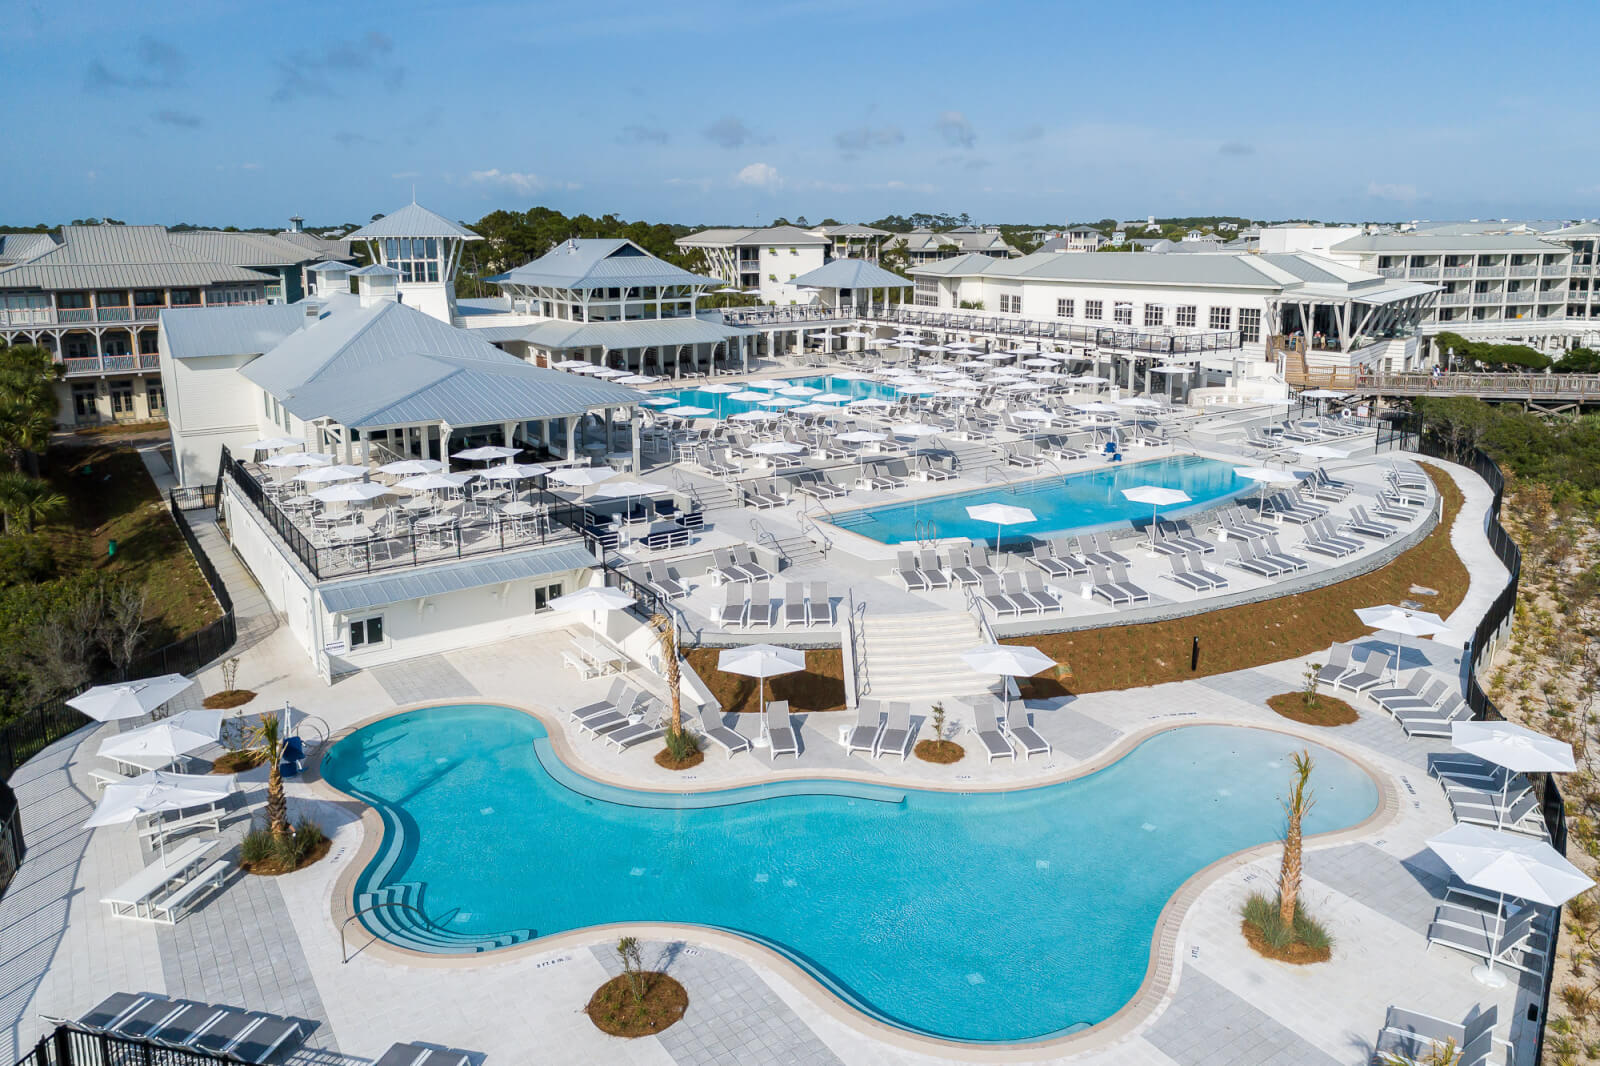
<point>108,1011</point>
<point>780,730</point>
<point>1021,730</point>
<point>987,729</point>
<point>1337,665</point>
<point>819,608</point>
<point>897,735</point>
<point>263,1040</point>
<point>726,739</point>
<point>864,735</point>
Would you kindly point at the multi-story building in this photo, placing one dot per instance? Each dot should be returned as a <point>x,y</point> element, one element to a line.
<point>93,295</point>
<point>852,242</point>
<point>926,246</point>
<point>762,262</point>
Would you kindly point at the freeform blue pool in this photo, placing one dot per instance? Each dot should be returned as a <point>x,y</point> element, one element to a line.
<point>721,406</point>
<point>988,917</point>
<point>1089,500</point>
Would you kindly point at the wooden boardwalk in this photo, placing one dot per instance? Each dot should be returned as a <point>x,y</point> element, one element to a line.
<point>1544,392</point>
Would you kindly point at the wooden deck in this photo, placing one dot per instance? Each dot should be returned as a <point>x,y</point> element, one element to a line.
<point>1548,392</point>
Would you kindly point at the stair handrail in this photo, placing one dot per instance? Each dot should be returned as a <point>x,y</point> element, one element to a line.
<point>766,536</point>
<point>343,956</point>
<point>856,616</point>
<point>811,524</point>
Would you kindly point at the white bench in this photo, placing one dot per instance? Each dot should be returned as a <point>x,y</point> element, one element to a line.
<point>166,910</point>
<point>167,828</point>
<point>131,899</point>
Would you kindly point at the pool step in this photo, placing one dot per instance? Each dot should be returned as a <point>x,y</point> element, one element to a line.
<point>800,550</point>
<point>972,458</point>
<point>917,656</point>
<point>394,919</point>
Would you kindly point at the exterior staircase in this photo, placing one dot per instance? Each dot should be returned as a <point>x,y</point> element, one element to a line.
<point>799,550</point>
<point>917,656</point>
<point>971,457</point>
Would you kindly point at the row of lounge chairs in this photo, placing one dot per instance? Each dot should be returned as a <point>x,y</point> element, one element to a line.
<point>181,1025</point>
<point>626,716</point>
<point>1481,793</point>
<point>1411,1037</point>
<point>1013,595</point>
<point>737,563</point>
<point>1008,735</point>
<point>750,604</point>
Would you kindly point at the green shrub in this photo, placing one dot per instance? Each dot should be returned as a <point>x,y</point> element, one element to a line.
<point>1261,911</point>
<point>681,744</point>
<point>26,560</point>
<point>260,846</point>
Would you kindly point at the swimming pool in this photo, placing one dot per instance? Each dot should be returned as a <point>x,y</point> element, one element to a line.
<point>722,407</point>
<point>1089,500</point>
<point>989,917</point>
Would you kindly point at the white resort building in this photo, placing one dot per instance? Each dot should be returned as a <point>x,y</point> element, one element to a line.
<point>762,262</point>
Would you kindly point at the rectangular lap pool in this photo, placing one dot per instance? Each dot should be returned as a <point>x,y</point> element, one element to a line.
<point>1089,500</point>
<point>722,405</point>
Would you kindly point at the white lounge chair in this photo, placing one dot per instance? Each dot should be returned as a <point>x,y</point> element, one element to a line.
<point>864,734</point>
<point>897,735</point>
<point>986,727</point>
<point>781,733</point>
<point>728,740</point>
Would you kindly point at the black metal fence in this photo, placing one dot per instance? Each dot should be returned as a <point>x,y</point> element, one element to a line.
<point>74,1047</point>
<point>12,845</point>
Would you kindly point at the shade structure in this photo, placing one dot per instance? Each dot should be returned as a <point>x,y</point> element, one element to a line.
<point>582,475</point>
<point>913,429</point>
<point>779,447</point>
<point>780,401</point>
<point>687,412</point>
<point>870,403</point>
<point>957,394</point>
<point>1157,496</point>
<point>832,397</point>
<point>587,368</point>
<point>1321,451</point>
<point>628,488</point>
<point>1508,864</point>
<point>855,334</point>
<point>637,379</point>
<point>1095,407</point>
<point>1518,749</point>
<point>1172,369</point>
<point>1136,401</point>
<point>1002,515</point>
<point>851,375</point>
<point>167,739</point>
<point>1401,621</point>
<point>129,699</point>
<point>861,436</point>
<point>488,451</point>
<point>322,474</point>
<point>352,492</point>
<point>1033,414</point>
<point>515,471</point>
<point>435,482</point>
<point>1007,660</point>
<point>662,401</point>
<point>155,792</point>
<point>571,364</point>
<point>593,598</point>
<point>757,415</point>
<point>412,466</point>
<point>771,384</point>
<point>813,409</point>
<point>272,444</point>
<point>728,290</point>
<point>748,396</point>
<point>1264,476</point>
<point>1323,394</point>
<point>801,391</point>
<point>1091,379</point>
<point>609,372</point>
<point>298,459</point>
<point>761,661</point>
<point>721,387</point>
<point>973,364</point>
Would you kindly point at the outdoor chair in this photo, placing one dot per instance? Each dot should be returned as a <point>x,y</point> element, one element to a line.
<point>986,727</point>
<point>863,736</point>
<point>1267,548</point>
<point>1437,722</point>
<point>1003,606</point>
<point>659,577</point>
<point>760,612</point>
<point>727,739</point>
<point>1415,1038</point>
<point>1424,699</point>
<point>928,565</point>
<point>735,609</point>
<point>1011,587</point>
<point>1119,575</point>
<point>1181,575</point>
<point>907,571</point>
<point>1506,943</point>
<point>1033,584</point>
<point>1197,568</point>
<point>650,726</point>
<point>1368,676</point>
<point>897,735</point>
<point>1105,588</point>
<point>819,608</point>
<point>794,604</point>
<point>780,730</point>
<point>1018,728</point>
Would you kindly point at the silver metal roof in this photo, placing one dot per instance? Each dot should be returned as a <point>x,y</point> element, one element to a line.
<point>601,263</point>
<point>120,257</point>
<point>851,274</point>
<point>197,332</point>
<point>335,248</point>
<point>771,236</point>
<point>848,230</point>
<point>20,247</point>
<point>242,249</point>
<point>1429,244</point>
<point>413,220</point>
<point>375,270</point>
<point>365,593</point>
<point>635,333</point>
<point>330,265</point>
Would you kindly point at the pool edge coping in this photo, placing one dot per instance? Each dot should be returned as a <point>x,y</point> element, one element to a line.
<point>1147,1002</point>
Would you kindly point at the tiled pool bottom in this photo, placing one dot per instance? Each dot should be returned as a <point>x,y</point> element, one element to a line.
<point>1064,504</point>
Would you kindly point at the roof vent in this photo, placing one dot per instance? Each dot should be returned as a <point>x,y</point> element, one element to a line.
<point>572,246</point>
<point>296,224</point>
<point>313,310</point>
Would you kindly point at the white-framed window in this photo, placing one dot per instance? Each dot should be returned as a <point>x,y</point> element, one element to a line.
<point>1093,310</point>
<point>366,632</point>
<point>1187,315</point>
<point>1155,315</point>
<point>926,293</point>
<point>155,397</point>
<point>417,258</point>
<point>1122,313</point>
<point>1221,318</point>
<point>1010,304</point>
<point>543,594</point>
<point>1250,324</point>
<point>1064,308</point>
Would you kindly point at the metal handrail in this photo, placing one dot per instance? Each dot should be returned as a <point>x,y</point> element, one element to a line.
<point>345,958</point>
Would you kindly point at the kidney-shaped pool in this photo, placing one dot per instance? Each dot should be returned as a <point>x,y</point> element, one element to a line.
<point>985,917</point>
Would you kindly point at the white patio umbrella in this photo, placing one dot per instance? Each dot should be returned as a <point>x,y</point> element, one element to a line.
<point>1508,864</point>
<point>155,792</point>
<point>721,387</point>
<point>593,598</point>
<point>1091,379</point>
<point>761,661</point>
<point>748,396</point>
<point>687,412</point>
<point>588,368</point>
<point>514,471</point>
<point>913,429</point>
<point>1402,622</point>
<point>757,415</point>
<point>628,488</point>
<point>436,482</point>
<point>661,401</point>
<point>166,739</point>
<point>832,397</point>
<point>862,436</point>
<point>412,466</point>
<point>322,474</point>
<point>298,459</point>
<point>1007,660</point>
<point>771,384</point>
<point>1264,476</point>
<point>855,334</point>
<point>974,364</point>
<point>800,390</point>
<point>729,290</point>
<point>1321,451</point>
<point>272,444</point>
<point>1157,496</point>
<point>1002,515</point>
<point>1136,401</point>
<point>352,492</point>
<point>851,375</point>
<point>1033,414</point>
<point>1095,407</point>
<point>571,364</point>
<point>1519,750</point>
<point>957,394</point>
<point>995,357</point>
<point>610,372</point>
<point>780,447</point>
<point>870,403</point>
<point>487,452</point>
<point>1042,360</point>
<point>129,699</point>
<point>780,401</point>
<point>637,379</point>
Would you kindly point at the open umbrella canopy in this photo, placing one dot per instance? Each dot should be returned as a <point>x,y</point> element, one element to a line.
<point>319,474</point>
<point>663,401</point>
<point>913,429</point>
<point>1095,407</point>
<point>1510,745</point>
<point>156,791</point>
<point>855,334</point>
<point>1033,414</point>
<point>129,699</point>
<point>586,368</point>
<point>801,391</point>
<point>851,375</point>
<point>720,387</point>
<point>754,416</point>
<point>1136,401</point>
<point>1266,475</point>
<point>1007,660</point>
<point>761,661</point>
<point>748,396</point>
<point>515,471</point>
<point>861,436</point>
<point>1401,620</point>
<point>436,482</point>
<point>412,466</point>
<point>1322,451</point>
<point>1156,495</point>
<point>1091,379</point>
<point>593,598</point>
<point>637,379</point>
<point>352,492</point>
<point>870,403</point>
<point>488,451</point>
<point>1004,514</point>
<point>780,401</point>
<point>298,459</point>
<point>582,475</point>
<point>1509,863</point>
<point>771,384</point>
<point>571,364</point>
<point>167,739</point>
<point>779,447</point>
<point>272,444</point>
<point>687,412</point>
<point>627,489</point>
<point>609,372</point>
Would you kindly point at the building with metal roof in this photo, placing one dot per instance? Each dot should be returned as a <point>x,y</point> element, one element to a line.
<point>846,241</point>
<point>853,283</point>
<point>761,262</point>
<point>425,249</point>
<point>923,246</point>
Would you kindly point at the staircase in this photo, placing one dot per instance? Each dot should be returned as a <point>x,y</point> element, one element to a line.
<point>917,656</point>
<point>973,458</point>
<point>711,496</point>
<point>395,920</point>
<point>799,550</point>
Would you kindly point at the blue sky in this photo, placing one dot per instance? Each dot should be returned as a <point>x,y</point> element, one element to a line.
<point>700,112</point>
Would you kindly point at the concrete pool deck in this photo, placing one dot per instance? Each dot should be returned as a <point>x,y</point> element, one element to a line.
<point>272,944</point>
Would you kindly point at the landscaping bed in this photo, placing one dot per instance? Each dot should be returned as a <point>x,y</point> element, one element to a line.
<point>939,751</point>
<point>1329,710</point>
<point>614,1010</point>
<point>820,687</point>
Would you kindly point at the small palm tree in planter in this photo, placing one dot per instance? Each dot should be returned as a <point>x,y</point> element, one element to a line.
<point>682,748</point>
<point>278,847</point>
<point>1280,928</point>
<point>637,1002</point>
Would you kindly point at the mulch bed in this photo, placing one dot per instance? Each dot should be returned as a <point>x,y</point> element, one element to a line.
<point>234,762</point>
<point>939,751</point>
<point>614,1010</point>
<point>820,687</point>
<point>223,701</point>
<point>1296,953</point>
<point>665,761</point>
<point>273,868</point>
<point>1329,711</point>
<point>1252,634</point>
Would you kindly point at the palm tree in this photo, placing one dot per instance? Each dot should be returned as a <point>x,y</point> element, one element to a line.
<point>1297,806</point>
<point>269,743</point>
<point>668,634</point>
<point>28,499</point>
<point>27,402</point>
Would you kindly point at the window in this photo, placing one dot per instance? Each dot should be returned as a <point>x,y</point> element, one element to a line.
<point>83,402</point>
<point>1010,304</point>
<point>1186,315</point>
<point>927,293</point>
<point>543,594</point>
<point>365,632</point>
<point>147,342</point>
<point>1091,310</point>
<point>417,258</point>
<point>1122,313</point>
<point>266,404</point>
<point>122,397</point>
<point>1063,308</point>
<point>154,397</point>
<point>77,346</point>
<point>1155,315</point>
<point>1249,324</point>
<point>1222,318</point>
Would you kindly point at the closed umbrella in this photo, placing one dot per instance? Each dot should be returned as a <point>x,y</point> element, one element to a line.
<point>1401,621</point>
<point>1510,865</point>
<point>130,699</point>
<point>167,739</point>
<point>1002,515</point>
<point>1157,496</point>
<point>761,661</point>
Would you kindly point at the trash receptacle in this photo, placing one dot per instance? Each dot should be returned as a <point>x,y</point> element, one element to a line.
<point>294,754</point>
<point>111,549</point>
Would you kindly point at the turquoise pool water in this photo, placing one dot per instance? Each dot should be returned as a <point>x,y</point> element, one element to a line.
<point>988,917</point>
<point>1063,504</point>
<point>721,407</point>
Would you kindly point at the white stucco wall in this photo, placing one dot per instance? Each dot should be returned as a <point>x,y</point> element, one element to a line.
<point>209,404</point>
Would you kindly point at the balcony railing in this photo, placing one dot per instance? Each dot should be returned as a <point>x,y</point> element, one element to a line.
<point>1454,272</point>
<point>1454,299</point>
<point>84,366</point>
<point>1525,270</point>
<point>1392,272</point>
<point>74,316</point>
<point>1493,296</point>
<point>1491,270</point>
<point>1553,270</point>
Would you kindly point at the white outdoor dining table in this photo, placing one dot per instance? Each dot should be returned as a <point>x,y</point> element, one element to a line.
<point>601,657</point>
<point>437,521</point>
<point>420,503</point>
<point>351,534</point>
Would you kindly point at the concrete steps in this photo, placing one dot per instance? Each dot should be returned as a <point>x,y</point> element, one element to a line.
<point>973,458</point>
<point>917,656</point>
<point>800,550</point>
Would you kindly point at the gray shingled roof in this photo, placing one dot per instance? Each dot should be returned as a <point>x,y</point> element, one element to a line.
<point>367,592</point>
<point>601,263</point>
<point>120,257</point>
<point>413,220</point>
<point>197,332</point>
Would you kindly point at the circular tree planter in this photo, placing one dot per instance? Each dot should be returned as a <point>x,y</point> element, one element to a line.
<point>226,701</point>
<point>939,751</point>
<point>614,1010</point>
<point>273,867</point>
<point>1295,953</point>
<point>235,762</point>
<point>665,760</point>
<point>1328,711</point>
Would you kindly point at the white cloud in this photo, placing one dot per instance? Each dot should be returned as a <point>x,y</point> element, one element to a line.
<point>956,129</point>
<point>760,175</point>
<point>1390,191</point>
<point>511,179</point>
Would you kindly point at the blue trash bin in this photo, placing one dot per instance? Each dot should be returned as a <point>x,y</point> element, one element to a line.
<point>294,754</point>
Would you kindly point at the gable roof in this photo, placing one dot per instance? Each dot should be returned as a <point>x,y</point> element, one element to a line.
<point>413,220</point>
<point>851,274</point>
<point>330,248</point>
<point>120,257</point>
<point>747,237</point>
<point>600,263</point>
<point>197,332</point>
<point>1428,243</point>
<point>20,247</point>
<point>242,249</point>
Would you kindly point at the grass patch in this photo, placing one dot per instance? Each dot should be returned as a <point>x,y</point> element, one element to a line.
<point>223,701</point>
<point>237,762</point>
<point>123,429</point>
<point>820,687</point>
<point>939,751</point>
<point>1329,711</point>
<point>1302,943</point>
<point>110,497</point>
<point>262,853</point>
<point>1253,634</point>
<point>615,1010</point>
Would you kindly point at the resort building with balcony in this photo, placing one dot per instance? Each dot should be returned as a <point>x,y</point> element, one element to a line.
<point>762,262</point>
<point>925,246</point>
<point>852,241</point>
